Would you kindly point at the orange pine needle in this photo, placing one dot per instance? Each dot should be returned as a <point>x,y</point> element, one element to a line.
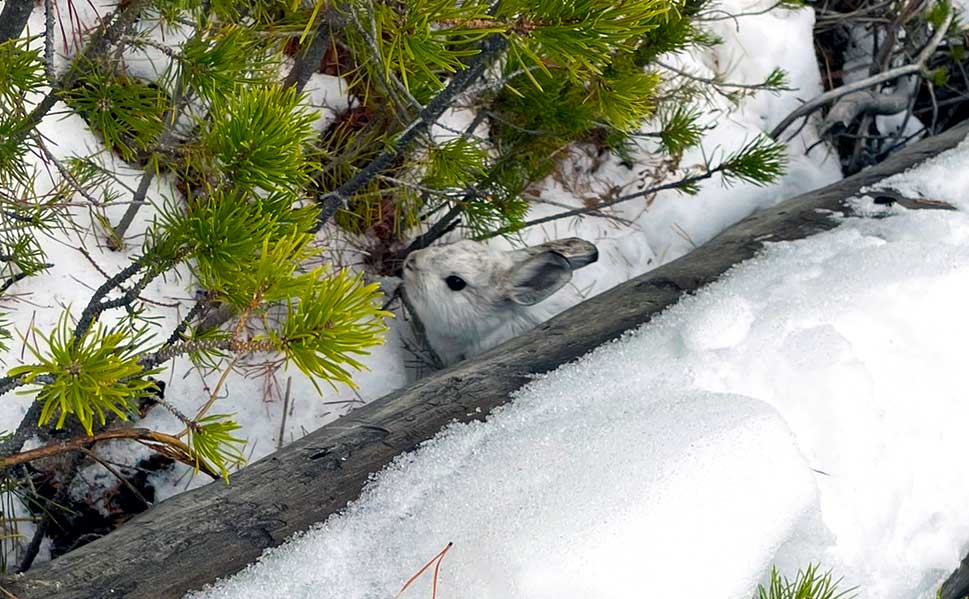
<point>435,559</point>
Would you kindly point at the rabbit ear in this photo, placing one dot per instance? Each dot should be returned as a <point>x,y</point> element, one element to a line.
<point>578,252</point>
<point>537,277</point>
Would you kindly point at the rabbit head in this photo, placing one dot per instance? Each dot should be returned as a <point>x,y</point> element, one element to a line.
<point>470,297</point>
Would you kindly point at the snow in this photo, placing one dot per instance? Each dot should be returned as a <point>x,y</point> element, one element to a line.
<point>943,178</point>
<point>530,519</point>
<point>808,407</point>
<point>804,409</point>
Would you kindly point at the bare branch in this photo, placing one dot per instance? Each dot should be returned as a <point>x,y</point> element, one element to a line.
<point>332,201</point>
<point>916,68</point>
<point>14,18</point>
<point>170,446</point>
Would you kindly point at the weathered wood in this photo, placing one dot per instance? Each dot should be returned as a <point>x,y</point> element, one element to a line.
<point>193,538</point>
<point>957,585</point>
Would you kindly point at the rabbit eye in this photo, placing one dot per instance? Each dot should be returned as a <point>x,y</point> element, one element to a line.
<point>456,283</point>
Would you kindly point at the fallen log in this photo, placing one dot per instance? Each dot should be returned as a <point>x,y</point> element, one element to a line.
<point>214,531</point>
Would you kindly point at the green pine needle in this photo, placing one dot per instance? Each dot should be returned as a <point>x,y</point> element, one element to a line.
<point>626,100</point>
<point>681,128</point>
<point>455,163</point>
<point>212,442</point>
<point>23,72</point>
<point>760,162</point>
<point>128,114</point>
<point>213,66</point>
<point>808,584</point>
<point>338,317</point>
<point>258,136</point>
<point>93,375</point>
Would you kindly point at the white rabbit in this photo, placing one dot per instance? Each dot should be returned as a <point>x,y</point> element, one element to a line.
<point>470,297</point>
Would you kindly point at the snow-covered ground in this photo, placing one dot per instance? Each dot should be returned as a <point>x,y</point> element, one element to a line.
<point>807,408</point>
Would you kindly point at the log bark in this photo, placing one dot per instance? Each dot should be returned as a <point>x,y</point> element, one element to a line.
<point>193,538</point>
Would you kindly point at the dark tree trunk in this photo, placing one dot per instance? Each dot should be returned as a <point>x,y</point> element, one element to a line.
<point>14,17</point>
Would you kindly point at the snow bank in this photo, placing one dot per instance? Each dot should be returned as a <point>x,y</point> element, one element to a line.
<point>522,499</point>
<point>647,467</point>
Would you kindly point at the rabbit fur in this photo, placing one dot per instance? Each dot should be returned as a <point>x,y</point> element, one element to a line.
<point>470,297</point>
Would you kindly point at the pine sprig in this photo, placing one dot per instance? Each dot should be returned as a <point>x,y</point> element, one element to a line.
<point>258,137</point>
<point>128,114</point>
<point>87,377</point>
<point>455,163</point>
<point>336,319</point>
<point>216,64</point>
<point>213,444</point>
<point>760,161</point>
<point>809,583</point>
<point>680,128</point>
<point>579,37</point>
<point>23,72</point>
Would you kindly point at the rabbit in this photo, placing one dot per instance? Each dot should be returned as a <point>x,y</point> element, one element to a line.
<point>470,298</point>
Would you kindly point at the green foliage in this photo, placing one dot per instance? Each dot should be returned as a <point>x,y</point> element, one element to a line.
<point>417,49</point>
<point>88,376</point>
<point>215,65</point>
<point>676,33</point>
<point>23,72</point>
<point>573,72</point>
<point>213,443</point>
<point>939,77</point>
<point>580,37</point>
<point>937,13</point>
<point>680,128</point>
<point>625,100</point>
<point>808,584</point>
<point>258,136</point>
<point>455,163</point>
<point>128,114</point>
<point>224,232</point>
<point>336,317</point>
<point>760,161</point>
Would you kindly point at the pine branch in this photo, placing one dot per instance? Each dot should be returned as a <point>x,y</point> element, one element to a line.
<point>12,280</point>
<point>95,306</point>
<point>182,326</point>
<point>201,345</point>
<point>13,18</point>
<point>48,40</point>
<point>758,162</point>
<point>330,202</point>
<point>137,201</point>
<point>685,181</point>
<point>174,447</point>
<point>108,33</point>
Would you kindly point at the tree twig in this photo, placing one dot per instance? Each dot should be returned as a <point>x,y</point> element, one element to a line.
<point>14,18</point>
<point>916,68</point>
<point>96,306</point>
<point>679,183</point>
<point>149,438</point>
<point>330,202</point>
<point>137,201</point>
